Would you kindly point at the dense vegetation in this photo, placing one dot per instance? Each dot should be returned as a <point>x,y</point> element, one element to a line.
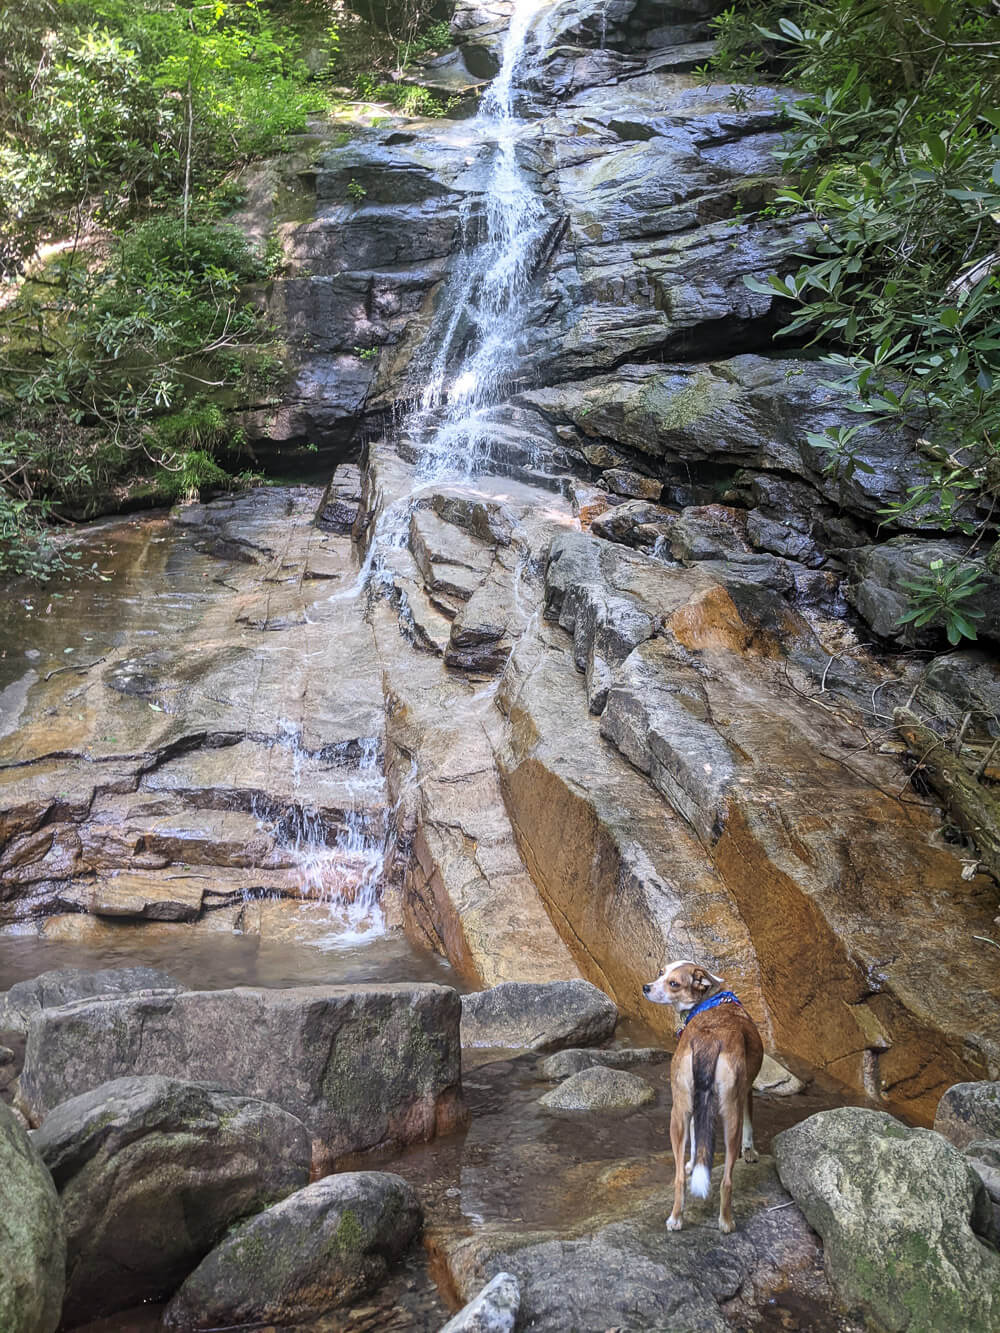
<point>893,151</point>
<point>124,324</point>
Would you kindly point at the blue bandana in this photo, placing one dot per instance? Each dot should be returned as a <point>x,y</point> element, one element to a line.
<point>723,997</point>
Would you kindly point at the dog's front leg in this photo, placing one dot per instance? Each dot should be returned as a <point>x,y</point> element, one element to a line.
<point>679,1127</point>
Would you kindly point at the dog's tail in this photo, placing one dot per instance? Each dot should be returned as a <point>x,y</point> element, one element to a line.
<point>703,1119</point>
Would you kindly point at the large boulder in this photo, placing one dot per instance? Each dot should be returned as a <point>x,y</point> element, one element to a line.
<point>360,1066</point>
<point>540,1017</point>
<point>151,1172</point>
<point>316,1250</point>
<point>32,1238</point>
<point>969,1111</point>
<point>24,999</point>
<point>902,1216</point>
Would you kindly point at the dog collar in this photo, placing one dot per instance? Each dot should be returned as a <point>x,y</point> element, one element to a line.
<point>723,997</point>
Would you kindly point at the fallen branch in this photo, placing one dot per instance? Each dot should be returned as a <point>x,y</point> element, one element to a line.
<point>975,811</point>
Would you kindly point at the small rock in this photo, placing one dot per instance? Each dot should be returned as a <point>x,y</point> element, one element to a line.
<point>902,1216</point>
<point>969,1111</point>
<point>318,1249</point>
<point>32,1238</point>
<point>984,1158</point>
<point>633,484</point>
<point>151,1172</point>
<point>544,1016</point>
<point>777,1080</point>
<point>494,1310</point>
<point>7,1057</point>
<point>599,1089</point>
<point>564,1063</point>
<point>48,989</point>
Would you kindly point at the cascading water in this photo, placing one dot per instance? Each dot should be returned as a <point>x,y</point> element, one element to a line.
<point>345,871</point>
<point>467,365</point>
<point>472,353</point>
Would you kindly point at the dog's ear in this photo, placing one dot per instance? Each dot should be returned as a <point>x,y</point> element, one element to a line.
<point>702,980</point>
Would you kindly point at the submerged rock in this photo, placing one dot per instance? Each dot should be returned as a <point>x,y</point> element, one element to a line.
<point>905,1221</point>
<point>32,1236</point>
<point>316,1250</point>
<point>360,1066</point>
<point>542,1017</point>
<point>969,1111</point>
<point>151,1172</point>
<point>26,998</point>
<point>599,1089</point>
<point>494,1310</point>
<point>565,1063</point>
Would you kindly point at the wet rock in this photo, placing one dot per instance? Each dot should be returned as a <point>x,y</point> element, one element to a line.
<point>540,1017</point>
<point>631,484</point>
<point>710,532</point>
<point>315,1251</point>
<point>48,989</point>
<point>755,413</point>
<point>903,1219</point>
<point>635,523</point>
<point>599,1089</point>
<point>309,1049</point>
<point>659,717</point>
<point>32,1236</point>
<point>776,1080</point>
<point>969,1111</point>
<point>605,630</point>
<point>565,1063</point>
<point>151,1172</point>
<point>880,574</point>
<point>624,1271</point>
<point>494,1310</point>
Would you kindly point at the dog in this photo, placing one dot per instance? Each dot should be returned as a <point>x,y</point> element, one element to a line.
<point>718,1056</point>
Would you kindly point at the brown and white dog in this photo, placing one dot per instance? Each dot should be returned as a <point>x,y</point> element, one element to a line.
<point>718,1056</point>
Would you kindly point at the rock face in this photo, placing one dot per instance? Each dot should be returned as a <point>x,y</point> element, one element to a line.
<point>316,1250</point>
<point>494,1310</point>
<point>151,1172</point>
<point>904,1219</point>
<point>32,1236</point>
<point>969,1111</point>
<point>599,1089</point>
<point>49,989</point>
<point>360,1067</point>
<point>538,1017</point>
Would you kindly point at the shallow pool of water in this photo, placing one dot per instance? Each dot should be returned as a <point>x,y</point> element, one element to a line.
<point>215,960</point>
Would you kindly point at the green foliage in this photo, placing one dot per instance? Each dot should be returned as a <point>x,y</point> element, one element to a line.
<point>106,105</point>
<point>942,597</point>
<point>109,378</point>
<point>356,191</point>
<point>892,153</point>
<point>410,99</point>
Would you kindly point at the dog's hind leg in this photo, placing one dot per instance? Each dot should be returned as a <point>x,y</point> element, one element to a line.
<point>732,1118</point>
<point>749,1151</point>
<point>680,1122</point>
<point>690,1162</point>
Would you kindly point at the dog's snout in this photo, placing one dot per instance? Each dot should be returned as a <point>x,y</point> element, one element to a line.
<point>646,989</point>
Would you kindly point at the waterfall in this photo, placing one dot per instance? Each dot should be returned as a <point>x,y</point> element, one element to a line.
<point>472,353</point>
<point>343,869</point>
